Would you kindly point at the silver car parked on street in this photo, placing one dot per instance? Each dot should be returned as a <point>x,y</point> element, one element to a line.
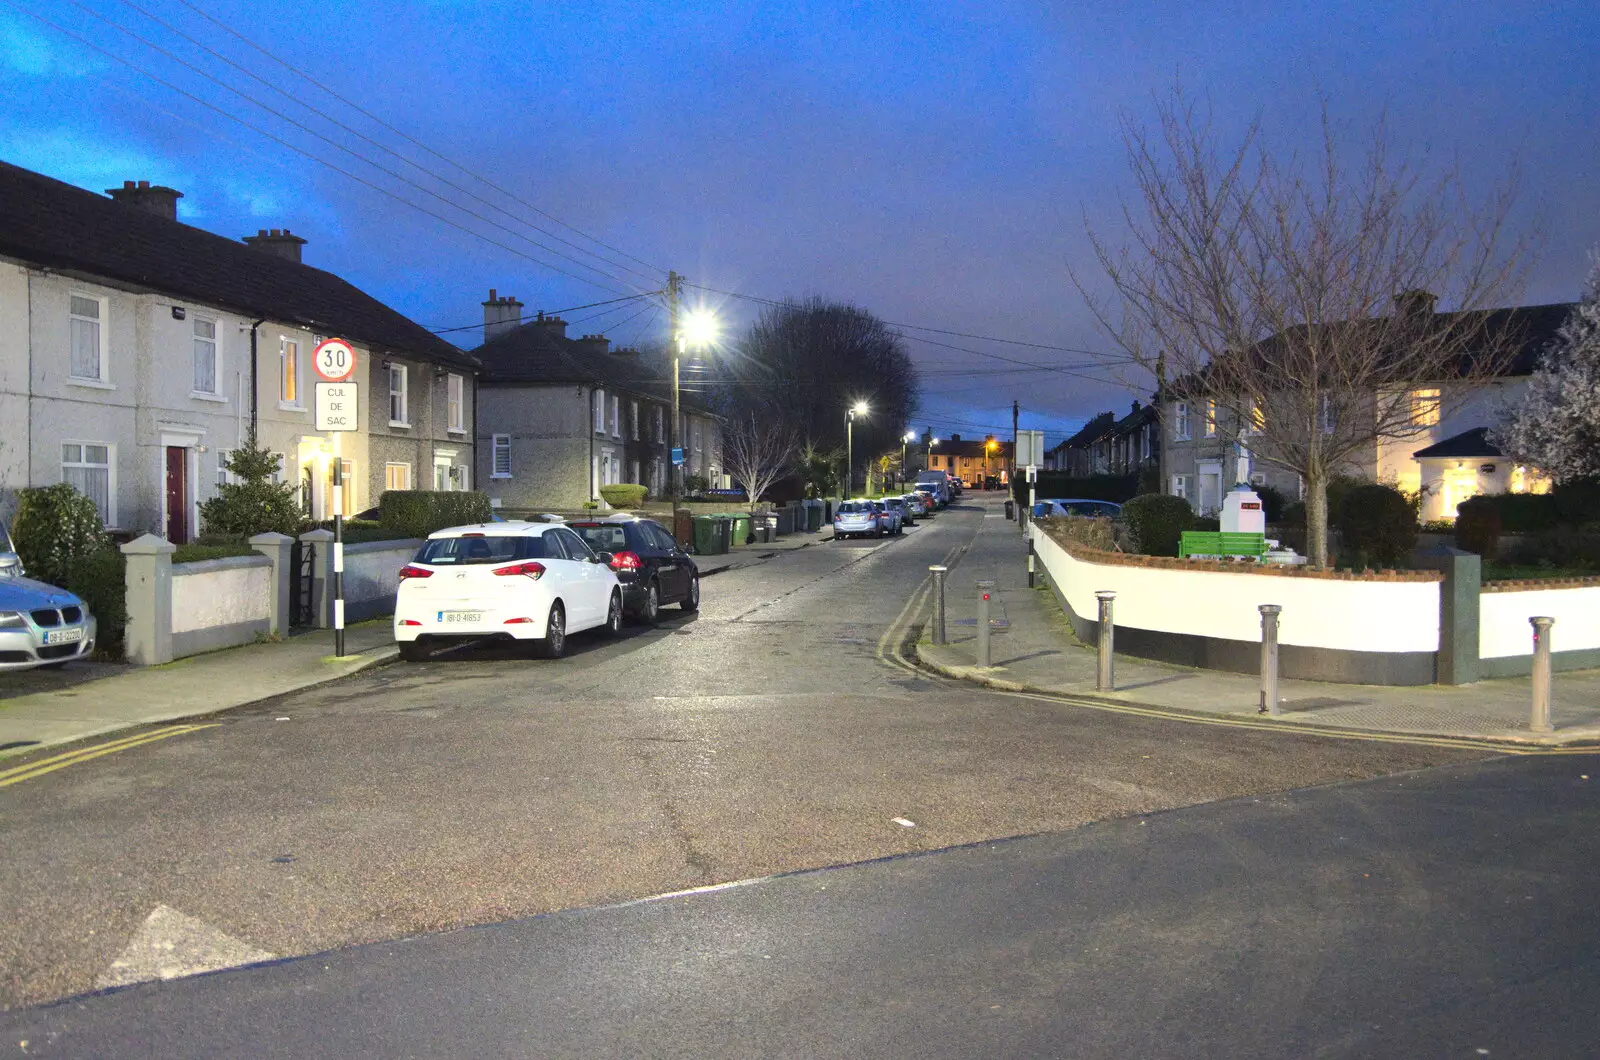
<point>40,625</point>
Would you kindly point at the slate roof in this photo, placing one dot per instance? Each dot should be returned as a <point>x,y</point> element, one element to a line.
<point>537,353</point>
<point>52,224</point>
<point>1090,432</point>
<point>1468,444</point>
<point>971,449</point>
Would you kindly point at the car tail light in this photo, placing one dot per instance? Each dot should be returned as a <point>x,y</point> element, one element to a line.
<point>532,570</point>
<point>409,571</point>
<point>626,561</point>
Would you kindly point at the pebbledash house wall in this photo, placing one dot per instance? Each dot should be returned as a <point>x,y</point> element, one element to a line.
<point>1390,628</point>
<point>424,437</point>
<point>550,431</point>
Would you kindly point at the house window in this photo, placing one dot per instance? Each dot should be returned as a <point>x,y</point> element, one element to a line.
<point>616,416</point>
<point>449,475</point>
<point>660,432</point>
<point>289,373</point>
<point>500,456</point>
<point>224,476</point>
<point>1144,443</point>
<point>88,355</point>
<point>1257,421</point>
<point>633,420</point>
<point>1180,422</point>
<point>1327,414</point>
<point>1211,418</point>
<point>455,388</point>
<point>399,395</point>
<point>86,467</point>
<point>205,356</point>
<point>600,411</point>
<point>396,476</point>
<point>1425,408</point>
<point>459,478</point>
<point>1180,486</point>
<point>347,487</point>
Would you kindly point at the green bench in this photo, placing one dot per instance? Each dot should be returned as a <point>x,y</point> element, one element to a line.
<point>1219,543</point>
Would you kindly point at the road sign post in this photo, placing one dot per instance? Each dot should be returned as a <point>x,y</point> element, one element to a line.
<point>338,409</point>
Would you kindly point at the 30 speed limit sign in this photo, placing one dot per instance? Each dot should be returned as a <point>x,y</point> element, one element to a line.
<point>334,360</point>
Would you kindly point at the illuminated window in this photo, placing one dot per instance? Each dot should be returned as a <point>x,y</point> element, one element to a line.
<point>1425,408</point>
<point>1211,418</point>
<point>289,374</point>
<point>396,476</point>
<point>1258,420</point>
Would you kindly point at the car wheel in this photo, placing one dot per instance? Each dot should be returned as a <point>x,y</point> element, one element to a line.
<point>412,651</point>
<point>613,626</point>
<point>554,644</point>
<point>691,602</point>
<point>650,610</point>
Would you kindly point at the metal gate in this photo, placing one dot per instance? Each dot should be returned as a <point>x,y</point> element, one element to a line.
<point>302,588</point>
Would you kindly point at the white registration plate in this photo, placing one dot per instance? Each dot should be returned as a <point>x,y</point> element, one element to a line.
<point>450,617</point>
<point>63,636</point>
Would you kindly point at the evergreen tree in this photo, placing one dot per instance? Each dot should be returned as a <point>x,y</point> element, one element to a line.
<point>1556,428</point>
<point>254,504</point>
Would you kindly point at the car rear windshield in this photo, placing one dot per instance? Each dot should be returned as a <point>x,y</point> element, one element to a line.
<point>603,537</point>
<point>854,508</point>
<point>443,551</point>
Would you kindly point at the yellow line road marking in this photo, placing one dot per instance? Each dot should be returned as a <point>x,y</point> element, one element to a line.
<point>17,774</point>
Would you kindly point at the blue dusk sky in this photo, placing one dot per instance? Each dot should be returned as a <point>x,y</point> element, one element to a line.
<point>933,162</point>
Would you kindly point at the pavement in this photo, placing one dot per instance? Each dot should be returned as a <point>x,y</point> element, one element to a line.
<point>1440,914</point>
<point>1034,650</point>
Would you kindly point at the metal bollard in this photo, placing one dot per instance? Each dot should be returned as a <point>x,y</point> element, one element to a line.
<point>1540,721</point>
<point>1010,510</point>
<point>938,602</point>
<point>984,658</point>
<point>1030,563</point>
<point>1269,658</point>
<point>1105,676</point>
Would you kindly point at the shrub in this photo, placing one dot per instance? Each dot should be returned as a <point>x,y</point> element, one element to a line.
<point>55,526</point>
<point>624,494</point>
<point>254,504</point>
<point>198,552</point>
<point>1157,521</point>
<point>1578,501</point>
<point>1478,526</point>
<point>359,530</point>
<point>1294,514</point>
<point>1273,503</point>
<point>694,484</point>
<point>1098,532</point>
<point>418,513</point>
<point>100,579</point>
<point>1377,521</point>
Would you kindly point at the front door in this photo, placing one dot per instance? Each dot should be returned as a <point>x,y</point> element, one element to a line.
<point>177,494</point>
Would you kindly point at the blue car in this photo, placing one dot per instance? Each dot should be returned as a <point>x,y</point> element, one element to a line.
<point>40,625</point>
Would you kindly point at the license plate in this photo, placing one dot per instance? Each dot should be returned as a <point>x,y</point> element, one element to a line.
<point>447,617</point>
<point>63,636</point>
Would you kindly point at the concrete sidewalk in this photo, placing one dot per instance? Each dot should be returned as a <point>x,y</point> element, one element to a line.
<point>1037,651</point>
<point>199,684</point>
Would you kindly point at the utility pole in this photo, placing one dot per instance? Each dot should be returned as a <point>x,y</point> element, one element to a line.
<point>675,436</point>
<point>1011,475</point>
<point>1163,480</point>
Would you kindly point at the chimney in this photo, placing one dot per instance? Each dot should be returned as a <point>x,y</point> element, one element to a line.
<point>279,242</point>
<point>500,315</point>
<point>157,200</point>
<point>554,326</point>
<point>1135,407</point>
<point>955,437</point>
<point>1415,303</point>
<point>632,352</point>
<point>595,344</point>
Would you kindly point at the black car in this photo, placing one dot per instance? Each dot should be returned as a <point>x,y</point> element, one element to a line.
<point>648,563</point>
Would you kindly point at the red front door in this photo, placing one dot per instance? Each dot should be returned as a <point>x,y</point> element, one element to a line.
<point>177,494</point>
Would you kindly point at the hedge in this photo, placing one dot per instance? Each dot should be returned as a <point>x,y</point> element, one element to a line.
<point>1377,523</point>
<point>1157,522</point>
<point>1478,529</point>
<point>624,494</point>
<point>418,513</point>
<point>100,579</point>
<point>1051,485</point>
<point>54,528</point>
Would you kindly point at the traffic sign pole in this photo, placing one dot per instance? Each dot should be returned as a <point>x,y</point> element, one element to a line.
<point>338,550</point>
<point>337,410</point>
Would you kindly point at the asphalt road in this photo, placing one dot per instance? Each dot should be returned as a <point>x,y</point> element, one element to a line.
<point>762,736</point>
<point>1440,914</point>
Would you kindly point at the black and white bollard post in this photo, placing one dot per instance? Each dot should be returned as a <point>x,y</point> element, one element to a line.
<point>1269,658</point>
<point>1105,674</point>
<point>1030,561</point>
<point>984,657</point>
<point>338,557</point>
<point>938,602</point>
<point>1540,720</point>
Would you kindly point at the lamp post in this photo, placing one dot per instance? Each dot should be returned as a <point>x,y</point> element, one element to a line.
<point>932,441</point>
<point>905,441</point>
<point>694,329</point>
<point>858,409</point>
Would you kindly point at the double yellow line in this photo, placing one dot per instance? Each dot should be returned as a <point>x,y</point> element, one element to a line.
<point>17,774</point>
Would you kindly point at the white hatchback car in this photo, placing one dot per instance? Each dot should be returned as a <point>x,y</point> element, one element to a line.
<point>532,582</point>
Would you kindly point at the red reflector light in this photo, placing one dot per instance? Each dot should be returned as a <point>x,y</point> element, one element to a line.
<point>517,621</point>
<point>409,622</point>
<point>409,571</point>
<point>532,570</point>
<point>626,561</point>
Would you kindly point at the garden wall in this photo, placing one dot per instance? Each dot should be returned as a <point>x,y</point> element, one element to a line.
<point>372,577</point>
<point>1505,637</point>
<point>219,603</point>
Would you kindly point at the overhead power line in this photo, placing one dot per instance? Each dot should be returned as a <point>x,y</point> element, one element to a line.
<point>552,312</point>
<point>412,140</point>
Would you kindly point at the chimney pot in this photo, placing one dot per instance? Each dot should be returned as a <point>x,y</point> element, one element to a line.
<point>157,200</point>
<point>144,184</point>
<point>278,242</point>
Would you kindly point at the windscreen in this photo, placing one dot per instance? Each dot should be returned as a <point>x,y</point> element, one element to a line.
<point>603,538</point>
<point>445,551</point>
<point>853,508</point>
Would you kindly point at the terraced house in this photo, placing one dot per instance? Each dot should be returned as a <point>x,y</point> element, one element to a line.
<point>137,350</point>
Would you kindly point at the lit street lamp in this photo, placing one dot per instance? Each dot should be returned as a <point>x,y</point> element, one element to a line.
<point>903,443</point>
<point>858,409</point>
<point>695,329</point>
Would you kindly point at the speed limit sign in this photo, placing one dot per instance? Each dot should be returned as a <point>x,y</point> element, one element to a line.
<point>334,360</point>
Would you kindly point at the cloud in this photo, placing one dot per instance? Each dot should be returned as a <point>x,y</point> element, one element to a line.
<point>30,50</point>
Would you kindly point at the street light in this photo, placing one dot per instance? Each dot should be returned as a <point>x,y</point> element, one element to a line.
<point>694,329</point>
<point>905,441</point>
<point>858,409</point>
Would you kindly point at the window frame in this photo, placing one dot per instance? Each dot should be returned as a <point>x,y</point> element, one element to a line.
<point>616,416</point>
<point>1426,406</point>
<point>224,476</point>
<point>389,467</point>
<point>455,403</point>
<point>404,394</point>
<point>109,517</point>
<point>215,393</point>
<point>499,443</point>
<point>1209,418</point>
<point>1180,422</point>
<point>102,355</point>
<point>633,418</point>
<point>598,411</point>
<point>289,372</point>
<point>1327,414</point>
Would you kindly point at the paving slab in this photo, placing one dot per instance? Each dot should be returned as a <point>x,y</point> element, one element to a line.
<point>1036,650</point>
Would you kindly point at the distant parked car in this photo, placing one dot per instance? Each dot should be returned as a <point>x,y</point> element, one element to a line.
<point>934,493</point>
<point>40,625</point>
<point>908,510</point>
<point>532,583</point>
<point>1072,506</point>
<point>650,566</point>
<point>922,502</point>
<point>864,518</point>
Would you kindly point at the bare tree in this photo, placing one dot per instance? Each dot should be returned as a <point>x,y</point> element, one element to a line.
<point>756,453</point>
<point>1293,301</point>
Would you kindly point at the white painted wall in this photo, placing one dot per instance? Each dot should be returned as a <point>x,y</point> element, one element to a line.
<point>13,383</point>
<point>372,569</point>
<point>1503,628</point>
<point>220,592</point>
<point>1347,615</point>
